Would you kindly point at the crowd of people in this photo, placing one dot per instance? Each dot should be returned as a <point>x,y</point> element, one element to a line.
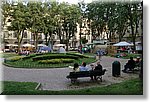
<point>129,66</point>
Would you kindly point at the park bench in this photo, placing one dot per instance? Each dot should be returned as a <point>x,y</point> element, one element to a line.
<point>73,76</point>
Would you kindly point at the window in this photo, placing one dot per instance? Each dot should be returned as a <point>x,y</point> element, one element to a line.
<point>15,42</point>
<point>15,34</point>
<point>6,35</point>
<point>40,36</point>
<point>25,34</point>
<point>9,20</point>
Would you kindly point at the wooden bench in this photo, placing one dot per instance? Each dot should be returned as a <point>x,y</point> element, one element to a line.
<point>75,75</point>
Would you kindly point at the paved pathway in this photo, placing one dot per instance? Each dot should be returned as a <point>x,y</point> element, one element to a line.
<point>55,79</point>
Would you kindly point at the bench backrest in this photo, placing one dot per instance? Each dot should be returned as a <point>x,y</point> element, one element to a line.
<point>86,73</point>
<point>79,74</point>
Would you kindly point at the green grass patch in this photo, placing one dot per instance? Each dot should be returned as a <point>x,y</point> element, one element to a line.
<point>7,55</point>
<point>129,87</point>
<point>127,55</point>
<point>132,55</point>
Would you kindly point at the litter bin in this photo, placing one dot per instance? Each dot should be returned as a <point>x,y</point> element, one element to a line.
<point>116,68</point>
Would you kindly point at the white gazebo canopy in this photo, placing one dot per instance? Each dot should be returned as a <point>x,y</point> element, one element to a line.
<point>28,45</point>
<point>11,45</point>
<point>59,45</point>
<point>123,43</point>
<point>40,45</point>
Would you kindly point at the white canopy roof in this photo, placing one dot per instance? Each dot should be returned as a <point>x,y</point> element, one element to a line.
<point>123,43</point>
<point>11,45</point>
<point>41,45</point>
<point>28,45</point>
<point>58,45</point>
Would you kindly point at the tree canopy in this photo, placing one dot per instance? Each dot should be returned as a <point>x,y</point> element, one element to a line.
<point>61,19</point>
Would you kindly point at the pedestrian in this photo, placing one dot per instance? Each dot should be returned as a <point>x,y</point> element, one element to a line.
<point>99,54</point>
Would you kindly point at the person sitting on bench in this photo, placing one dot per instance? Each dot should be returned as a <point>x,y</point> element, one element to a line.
<point>83,67</point>
<point>129,65</point>
<point>97,68</point>
<point>76,68</point>
<point>137,62</point>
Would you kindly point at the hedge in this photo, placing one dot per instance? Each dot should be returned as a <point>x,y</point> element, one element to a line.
<point>14,58</point>
<point>54,56</point>
<point>32,55</point>
<point>56,61</point>
<point>77,54</point>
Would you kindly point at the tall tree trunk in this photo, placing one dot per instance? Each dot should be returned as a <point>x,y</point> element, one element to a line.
<point>46,39</point>
<point>110,36</point>
<point>19,44</point>
<point>132,28</point>
<point>36,40</point>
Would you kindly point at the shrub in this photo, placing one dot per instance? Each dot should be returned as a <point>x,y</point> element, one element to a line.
<point>32,55</point>
<point>77,54</point>
<point>53,61</point>
<point>54,56</point>
<point>67,60</point>
<point>56,61</point>
<point>14,58</point>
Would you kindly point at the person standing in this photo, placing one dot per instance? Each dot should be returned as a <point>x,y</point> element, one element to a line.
<point>99,54</point>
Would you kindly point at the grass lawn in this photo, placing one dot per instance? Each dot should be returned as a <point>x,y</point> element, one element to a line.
<point>7,55</point>
<point>130,87</point>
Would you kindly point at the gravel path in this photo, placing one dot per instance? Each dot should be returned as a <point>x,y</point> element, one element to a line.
<point>55,79</point>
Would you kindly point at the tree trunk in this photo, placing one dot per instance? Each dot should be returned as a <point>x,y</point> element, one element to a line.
<point>46,39</point>
<point>110,36</point>
<point>132,28</point>
<point>19,45</point>
<point>36,40</point>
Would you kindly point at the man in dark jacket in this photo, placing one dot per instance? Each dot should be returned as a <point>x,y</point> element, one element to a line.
<point>97,68</point>
<point>129,65</point>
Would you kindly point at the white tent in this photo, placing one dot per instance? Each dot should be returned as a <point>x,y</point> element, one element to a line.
<point>123,43</point>
<point>59,45</point>
<point>61,50</point>
<point>11,45</point>
<point>40,45</point>
<point>28,45</point>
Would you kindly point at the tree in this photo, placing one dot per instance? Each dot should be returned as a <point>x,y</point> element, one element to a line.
<point>134,16</point>
<point>18,23</point>
<point>36,20</point>
<point>96,14</point>
<point>67,22</point>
